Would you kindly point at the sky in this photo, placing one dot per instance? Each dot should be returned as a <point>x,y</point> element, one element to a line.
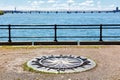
<point>59,4</point>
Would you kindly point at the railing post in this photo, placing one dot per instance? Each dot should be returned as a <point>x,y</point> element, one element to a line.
<point>55,33</point>
<point>9,30</point>
<point>100,32</point>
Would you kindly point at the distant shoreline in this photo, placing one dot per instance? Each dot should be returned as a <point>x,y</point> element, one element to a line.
<point>37,11</point>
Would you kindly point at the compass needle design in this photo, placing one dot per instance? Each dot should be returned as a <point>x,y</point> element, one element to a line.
<point>61,64</point>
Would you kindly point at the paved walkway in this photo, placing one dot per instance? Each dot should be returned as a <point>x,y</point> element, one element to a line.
<point>106,57</point>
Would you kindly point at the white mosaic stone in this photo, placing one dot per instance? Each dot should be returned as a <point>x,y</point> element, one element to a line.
<point>61,64</point>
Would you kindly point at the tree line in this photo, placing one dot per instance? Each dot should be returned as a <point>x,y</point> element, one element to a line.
<point>1,12</point>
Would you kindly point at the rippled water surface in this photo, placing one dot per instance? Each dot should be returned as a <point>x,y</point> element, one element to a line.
<point>59,18</point>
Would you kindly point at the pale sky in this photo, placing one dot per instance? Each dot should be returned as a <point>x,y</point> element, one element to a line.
<point>59,4</point>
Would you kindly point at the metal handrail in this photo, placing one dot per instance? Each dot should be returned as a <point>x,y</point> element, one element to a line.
<point>60,27</point>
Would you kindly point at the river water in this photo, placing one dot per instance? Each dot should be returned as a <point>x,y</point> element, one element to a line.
<point>59,18</point>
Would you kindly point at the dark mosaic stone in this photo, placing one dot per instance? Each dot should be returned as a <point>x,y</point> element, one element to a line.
<point>60,63</point>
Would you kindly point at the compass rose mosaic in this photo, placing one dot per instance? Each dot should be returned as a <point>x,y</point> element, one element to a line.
<point>61,64</point>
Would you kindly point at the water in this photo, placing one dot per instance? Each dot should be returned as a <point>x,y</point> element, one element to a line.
<point>60,18</point>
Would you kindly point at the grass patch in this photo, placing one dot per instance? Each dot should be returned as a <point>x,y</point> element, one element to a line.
<point>26,68</point>
<point>17,79</point>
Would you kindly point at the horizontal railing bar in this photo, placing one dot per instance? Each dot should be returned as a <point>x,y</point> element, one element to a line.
<point>66,28</point>
<point>91,28</point>
<point>35,37</point>
<point>3,37</point>
<point>92,25</point>
<point>67,25</point>
<point>78,28</point>
<point>111,28</point>
<point>78,37</point>
<point>110,24</point>
<point>32,28</point>
<point>3,28</point>
<point>87,37</point>
<point>53,37</point>
<point>81,25</point>
<point>28,25</point>
<point>68,37</point>
<point>51,28</point>
<point>111,36</point>
<point>59,37</point>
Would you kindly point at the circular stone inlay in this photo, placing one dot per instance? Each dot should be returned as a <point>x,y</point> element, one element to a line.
<point>61,64</point>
